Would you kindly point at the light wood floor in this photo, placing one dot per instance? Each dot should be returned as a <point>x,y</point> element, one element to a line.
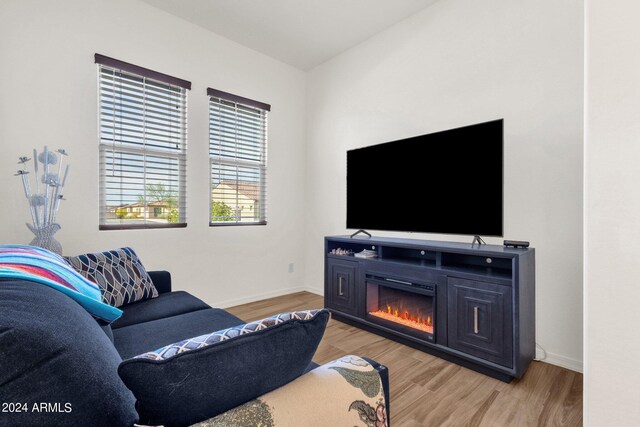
<point>428,391</point>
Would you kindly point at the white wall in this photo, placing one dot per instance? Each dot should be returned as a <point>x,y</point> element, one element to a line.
<point>612,214</point>
<point>456,63</point>
<point>49,96</point>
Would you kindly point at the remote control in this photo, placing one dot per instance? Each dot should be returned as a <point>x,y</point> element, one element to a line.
<point>516,243</point>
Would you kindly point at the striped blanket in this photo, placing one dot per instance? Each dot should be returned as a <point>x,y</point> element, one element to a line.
<point>41,266</point>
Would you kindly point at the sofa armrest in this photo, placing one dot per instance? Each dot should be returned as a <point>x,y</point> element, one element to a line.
<point>161,280</point>
<point>383,371</point>
<point>348,391</point>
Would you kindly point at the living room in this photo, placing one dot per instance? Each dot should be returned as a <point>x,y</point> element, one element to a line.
<point>558,73</point>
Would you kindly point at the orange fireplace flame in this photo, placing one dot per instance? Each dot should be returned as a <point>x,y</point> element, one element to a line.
<point>403,317</point>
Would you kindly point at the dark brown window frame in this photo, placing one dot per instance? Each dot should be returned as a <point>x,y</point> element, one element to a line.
<point>238,99</point>
<point>155,75</point>
<point>145,72</point>
<point>211,92</point>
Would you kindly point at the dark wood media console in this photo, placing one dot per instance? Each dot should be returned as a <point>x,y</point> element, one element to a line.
<point>472,305</point>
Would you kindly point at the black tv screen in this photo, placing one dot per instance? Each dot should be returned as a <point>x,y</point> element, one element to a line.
<point>446,182</point>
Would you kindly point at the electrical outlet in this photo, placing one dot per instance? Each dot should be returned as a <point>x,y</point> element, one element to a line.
<point>291,267</point>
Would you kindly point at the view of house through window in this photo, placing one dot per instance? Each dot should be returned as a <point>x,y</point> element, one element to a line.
<point>237,151</point>
<point>142,146</point>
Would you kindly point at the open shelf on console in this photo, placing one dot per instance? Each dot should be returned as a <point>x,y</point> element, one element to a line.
<point>489,266</point>
<point>353,247</point>
<point>408,255</point>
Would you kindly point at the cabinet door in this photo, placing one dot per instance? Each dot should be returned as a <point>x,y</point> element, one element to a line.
<point>480,320</point>
<point>341,286</point>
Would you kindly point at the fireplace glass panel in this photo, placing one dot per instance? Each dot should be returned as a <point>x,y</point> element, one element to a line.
<point>405,311</point>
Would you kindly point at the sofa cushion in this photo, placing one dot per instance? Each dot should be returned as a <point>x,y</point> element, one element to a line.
<point>53,352</point>
<point>165,305</point>
<point>142,337</point>
<point>119,273</point>
<point>196,379</point>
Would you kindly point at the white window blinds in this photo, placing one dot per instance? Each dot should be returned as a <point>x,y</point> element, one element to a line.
<point>238,157</point>
<point>143,142</point>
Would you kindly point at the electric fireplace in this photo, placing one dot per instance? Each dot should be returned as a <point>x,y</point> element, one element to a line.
<point>402,306</point>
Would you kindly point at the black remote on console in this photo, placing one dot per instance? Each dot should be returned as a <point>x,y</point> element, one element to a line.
<point>516,243</point>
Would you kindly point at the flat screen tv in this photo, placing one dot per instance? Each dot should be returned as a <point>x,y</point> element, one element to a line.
<point>447,182</point>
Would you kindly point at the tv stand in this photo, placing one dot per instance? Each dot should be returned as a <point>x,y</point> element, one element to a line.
<point>478,240</point>
<point>475,306</point>
<point>358,232</point>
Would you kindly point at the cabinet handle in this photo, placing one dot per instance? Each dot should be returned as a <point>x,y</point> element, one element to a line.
<point>475,320</point>
<point>340,292</point>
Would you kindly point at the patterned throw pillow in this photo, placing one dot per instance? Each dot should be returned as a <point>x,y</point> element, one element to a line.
<point>119,273</point>
<point>199,378</point>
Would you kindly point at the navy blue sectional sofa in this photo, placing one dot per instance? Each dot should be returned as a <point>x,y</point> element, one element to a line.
<point>59,365</point>
<point>171,317</point>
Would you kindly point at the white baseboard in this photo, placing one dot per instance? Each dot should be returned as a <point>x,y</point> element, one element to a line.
<point>311,291</point>
<point>264,295</point>
<point>562,361</point>
<point>314,290</point>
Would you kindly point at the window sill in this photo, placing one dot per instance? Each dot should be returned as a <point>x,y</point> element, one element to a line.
<point>235,224</point>
<point>106,227</point>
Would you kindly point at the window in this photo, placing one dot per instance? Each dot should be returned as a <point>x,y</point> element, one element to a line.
<point>143,143</point>
<point>238,157</point>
